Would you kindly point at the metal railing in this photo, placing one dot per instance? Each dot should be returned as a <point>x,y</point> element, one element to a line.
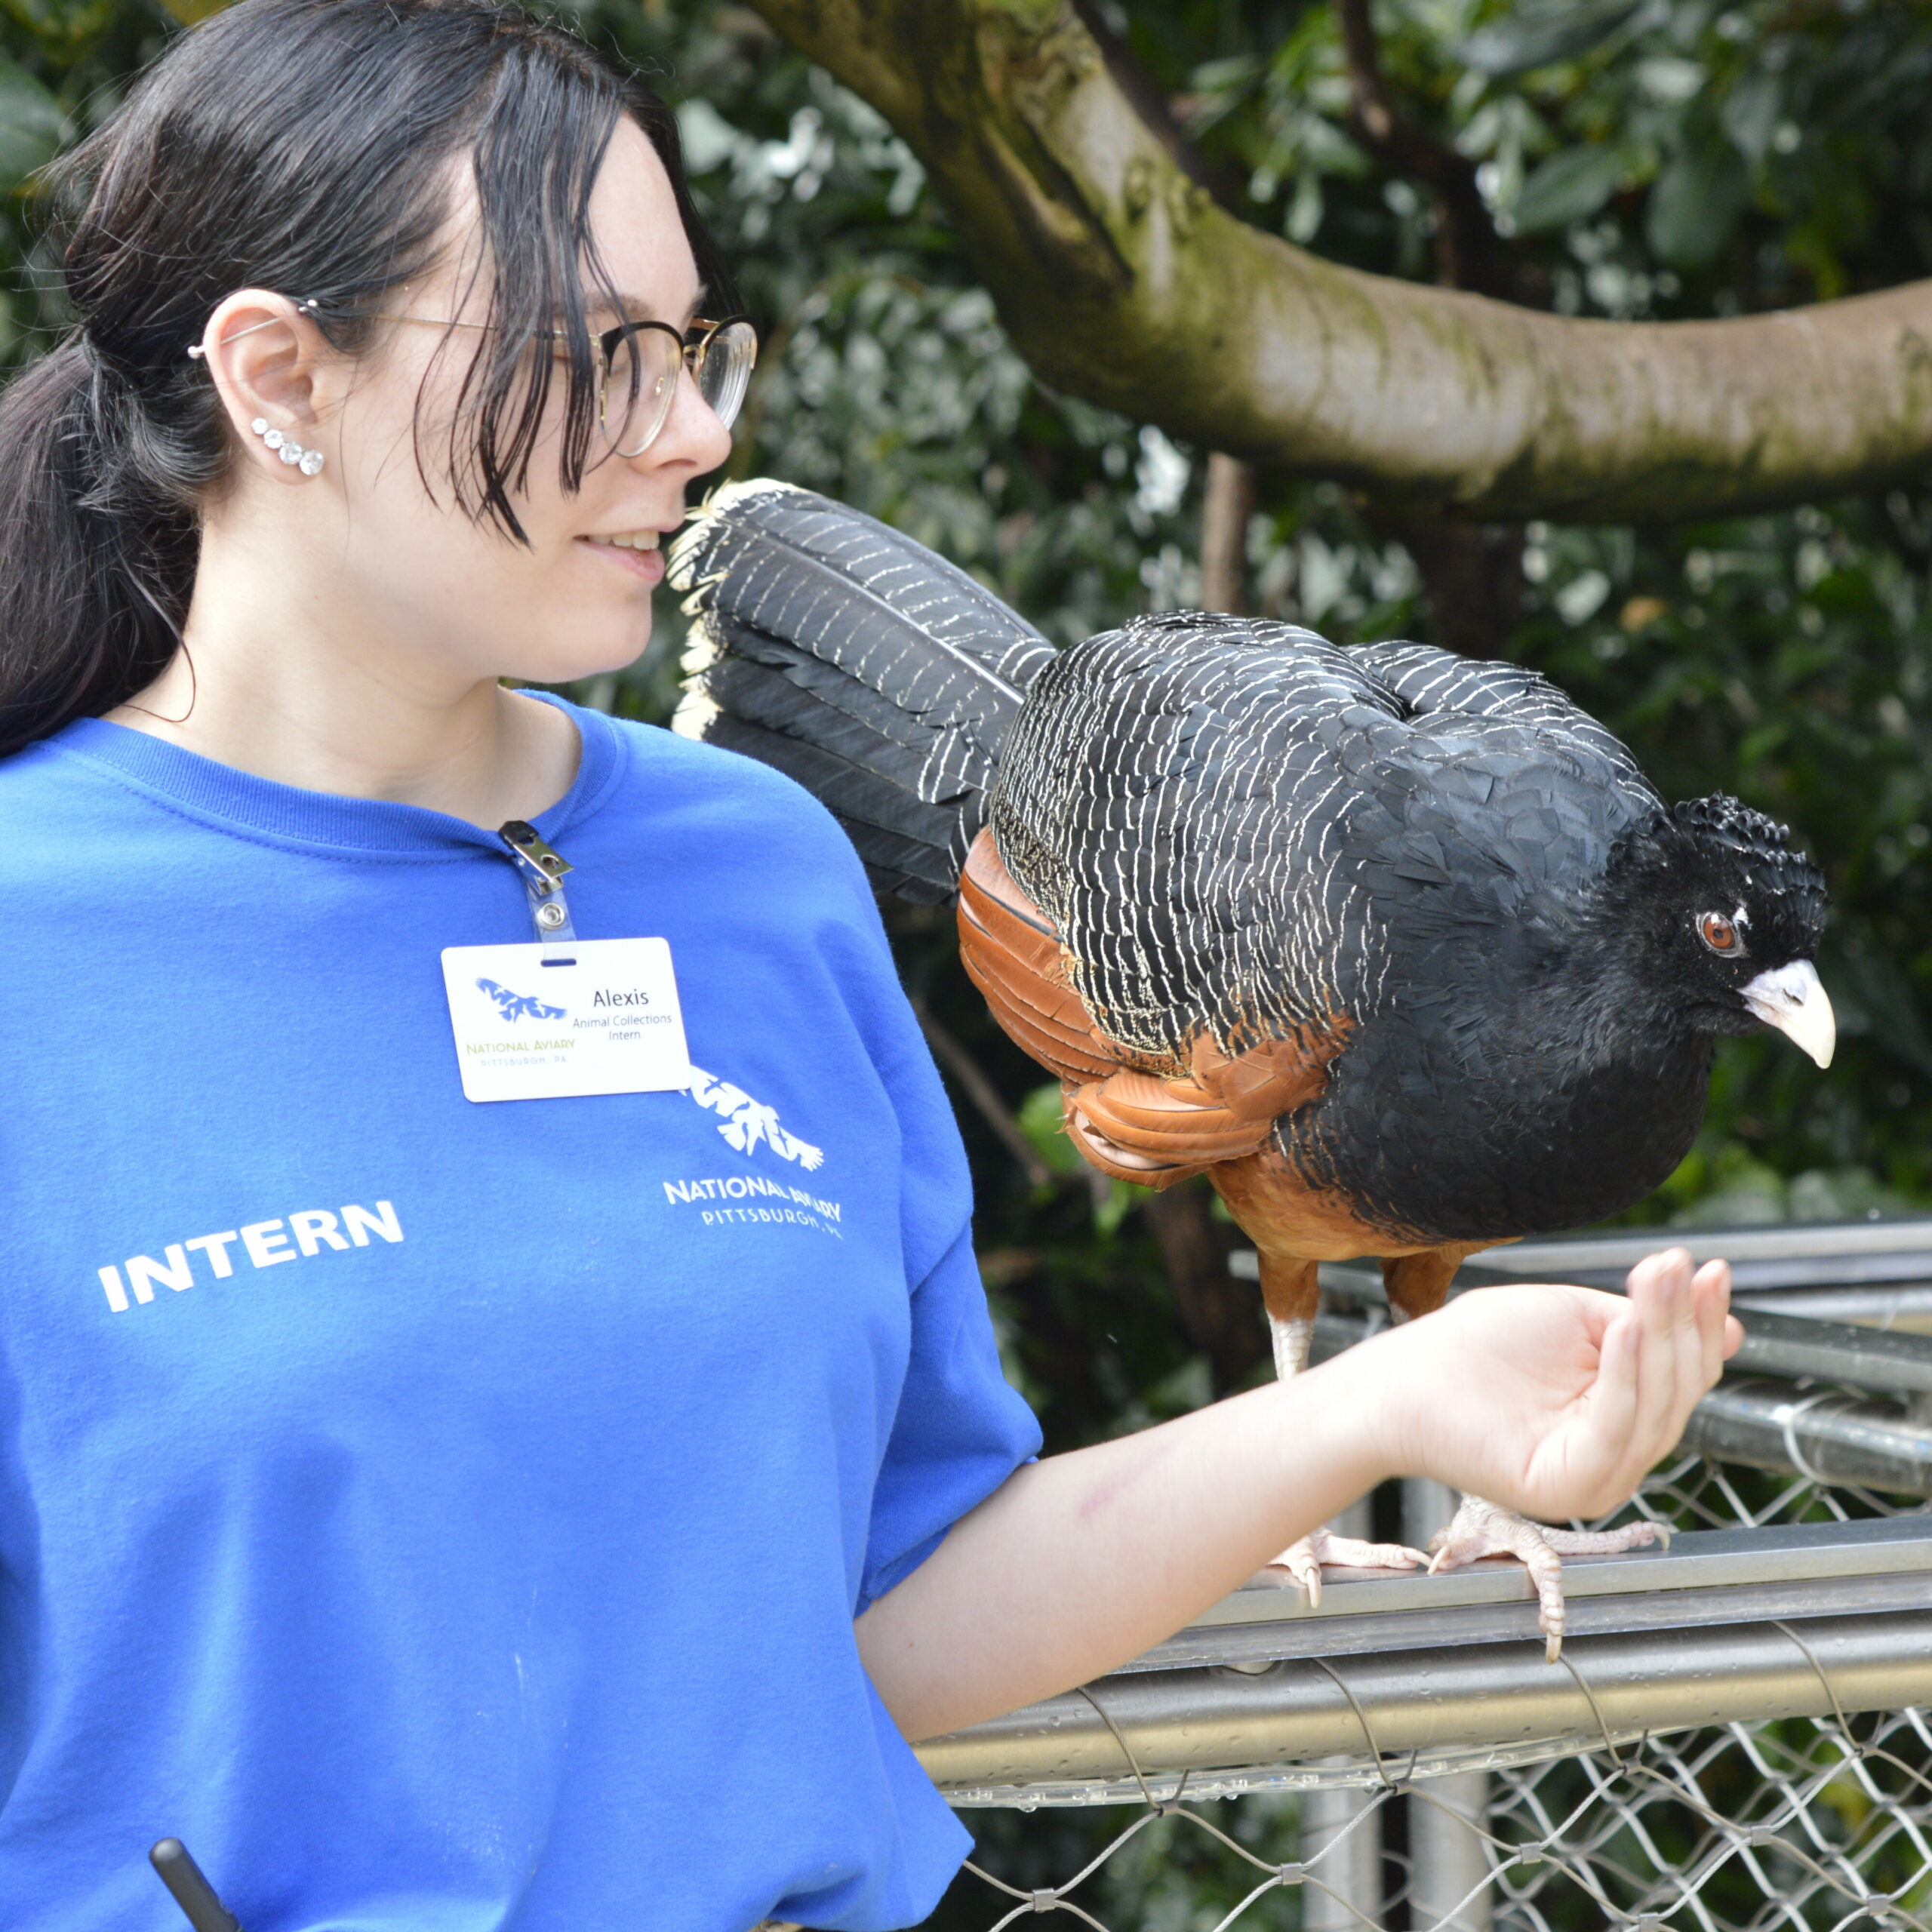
<point>1734,1740</point>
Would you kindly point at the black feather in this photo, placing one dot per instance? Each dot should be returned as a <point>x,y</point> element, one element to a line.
<point>898,664</point>
<point>892,832</point>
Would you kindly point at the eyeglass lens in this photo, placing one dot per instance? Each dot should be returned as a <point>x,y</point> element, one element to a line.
<point>641,384</point>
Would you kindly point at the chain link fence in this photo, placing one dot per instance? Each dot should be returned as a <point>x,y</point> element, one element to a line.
<point>1816,1819</point>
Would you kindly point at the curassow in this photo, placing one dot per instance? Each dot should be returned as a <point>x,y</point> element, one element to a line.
<point>1401,950</point>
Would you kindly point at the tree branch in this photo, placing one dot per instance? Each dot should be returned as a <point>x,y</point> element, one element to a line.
<point>1122,282</point>
<point>1226,505</point>
<point>1144,94</point>
<point>1469,252</point>
<point>951,1052</point>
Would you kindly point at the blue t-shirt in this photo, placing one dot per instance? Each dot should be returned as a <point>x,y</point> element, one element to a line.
<point>448,1517</point>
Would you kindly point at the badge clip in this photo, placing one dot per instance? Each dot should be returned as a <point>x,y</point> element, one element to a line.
<point>541,871</point>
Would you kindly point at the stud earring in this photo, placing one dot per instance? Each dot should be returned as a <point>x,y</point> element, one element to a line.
<point>310,461</point>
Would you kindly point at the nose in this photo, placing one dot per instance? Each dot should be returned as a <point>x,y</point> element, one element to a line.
<point>692,437</point>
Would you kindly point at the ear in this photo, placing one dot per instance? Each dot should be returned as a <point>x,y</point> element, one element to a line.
<point>269,362</point>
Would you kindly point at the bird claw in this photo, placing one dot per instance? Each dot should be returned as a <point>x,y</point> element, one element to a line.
<point>1303,1559</point>
<point>1480,1529</point>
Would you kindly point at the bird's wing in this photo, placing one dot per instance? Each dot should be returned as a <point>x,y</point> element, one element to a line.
<point>1133,1125</point>
<point>1219,817</point>
<point>880,676</point>
<point>1170,798</point>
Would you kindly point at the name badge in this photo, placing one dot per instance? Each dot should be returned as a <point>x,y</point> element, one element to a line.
<point>550,1022</point>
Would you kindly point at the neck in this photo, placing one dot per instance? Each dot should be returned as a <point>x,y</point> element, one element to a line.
<point>283,675</point>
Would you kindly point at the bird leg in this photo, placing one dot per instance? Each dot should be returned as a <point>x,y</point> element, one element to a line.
<point>1480,1529</point>
<point>1289,1291</point>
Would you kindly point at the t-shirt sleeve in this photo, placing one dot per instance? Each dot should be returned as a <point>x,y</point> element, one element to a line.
<point>960,1431</point>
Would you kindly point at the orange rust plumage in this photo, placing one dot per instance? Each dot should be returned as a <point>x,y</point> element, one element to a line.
<point>1217,1116</point>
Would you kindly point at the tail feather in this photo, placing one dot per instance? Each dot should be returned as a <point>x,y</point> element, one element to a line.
<point>812,679</point>
<point>879,674</point>
<point>904,850</point>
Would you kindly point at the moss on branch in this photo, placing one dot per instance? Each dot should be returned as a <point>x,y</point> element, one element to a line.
<point>1123,282</point>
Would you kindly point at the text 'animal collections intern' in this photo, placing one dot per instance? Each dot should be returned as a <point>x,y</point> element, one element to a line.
<point>1403,951</point>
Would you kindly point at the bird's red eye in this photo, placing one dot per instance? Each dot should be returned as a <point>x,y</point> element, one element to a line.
<point>1717,933</point>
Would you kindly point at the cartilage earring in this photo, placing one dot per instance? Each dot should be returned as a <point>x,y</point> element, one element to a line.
<point>310,461</point>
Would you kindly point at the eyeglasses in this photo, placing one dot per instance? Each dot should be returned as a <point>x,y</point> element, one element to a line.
<point>638,366</point>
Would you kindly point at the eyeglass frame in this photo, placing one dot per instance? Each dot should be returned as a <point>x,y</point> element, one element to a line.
<point>604,343</point>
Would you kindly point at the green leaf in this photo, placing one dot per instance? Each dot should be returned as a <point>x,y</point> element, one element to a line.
<point>1695,204</point>
<point>1122,1198</point>
<point>1751,112</point>
<point>64,26</point>
<point>31,126</point>
<point>1567,187</point>
<point>1042,1120</point>
<point>1541,35</point>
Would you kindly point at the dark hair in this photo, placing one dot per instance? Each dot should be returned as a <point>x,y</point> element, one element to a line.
<point>301,145</point>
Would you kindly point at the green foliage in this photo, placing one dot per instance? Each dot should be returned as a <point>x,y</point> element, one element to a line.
<point>31,126</point>
<point>1664,159</point>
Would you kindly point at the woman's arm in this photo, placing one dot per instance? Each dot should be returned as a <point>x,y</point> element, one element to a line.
<point>1552,1401</point>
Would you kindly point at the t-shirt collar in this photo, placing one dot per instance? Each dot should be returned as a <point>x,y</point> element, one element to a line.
<point>261,806</point>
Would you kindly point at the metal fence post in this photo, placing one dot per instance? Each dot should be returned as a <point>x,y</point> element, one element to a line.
<point>1449,1860</point>
<point>1352,1870</point>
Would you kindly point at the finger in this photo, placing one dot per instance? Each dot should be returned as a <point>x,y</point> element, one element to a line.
<point>1733,1335</point>
<point>1695,1366</point>
<point>1652,1267</point>
<point>1698,1359</point>
<point>1613,1407</point>
<point>1661,1301</point>
<point>1642,1287</point>
<point>1713,1287</point>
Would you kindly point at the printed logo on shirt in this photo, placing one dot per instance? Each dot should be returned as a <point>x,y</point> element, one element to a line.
<point>513,1007</point>
<point>775,1202</point>
<point>747,1124</point>
<point>267,1244</point>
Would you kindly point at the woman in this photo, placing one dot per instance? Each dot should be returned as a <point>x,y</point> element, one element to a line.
<point>545,1511</point>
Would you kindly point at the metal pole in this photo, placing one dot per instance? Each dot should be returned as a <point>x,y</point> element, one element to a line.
<point>1428,1703</point>
<point>1448,1857</point>
<point>1341,1828</point>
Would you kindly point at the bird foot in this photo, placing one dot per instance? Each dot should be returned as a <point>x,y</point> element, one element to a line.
<point>1480,1529</point>
<point>1303,1559</point>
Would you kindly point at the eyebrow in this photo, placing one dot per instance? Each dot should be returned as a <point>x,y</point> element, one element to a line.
<point>635,305</point>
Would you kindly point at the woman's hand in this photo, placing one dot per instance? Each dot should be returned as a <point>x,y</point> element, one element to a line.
<point>1552,1401</point>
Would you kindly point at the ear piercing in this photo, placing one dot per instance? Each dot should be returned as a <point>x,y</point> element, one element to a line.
<point>310,461</point>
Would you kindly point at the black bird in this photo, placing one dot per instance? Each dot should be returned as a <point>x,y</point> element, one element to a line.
<point>1402,950</point>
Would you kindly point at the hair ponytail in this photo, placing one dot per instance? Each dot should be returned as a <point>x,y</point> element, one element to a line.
<point>96,568</point>
<point>335,193</point>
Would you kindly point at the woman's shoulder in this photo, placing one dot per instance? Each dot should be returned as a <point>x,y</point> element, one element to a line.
<point>729,800</point>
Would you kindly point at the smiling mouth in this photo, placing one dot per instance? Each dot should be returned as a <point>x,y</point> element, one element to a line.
<point>637,552</point>
<point>635,540</point>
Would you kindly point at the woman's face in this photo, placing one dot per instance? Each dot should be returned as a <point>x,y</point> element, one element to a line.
<point>576,600</point>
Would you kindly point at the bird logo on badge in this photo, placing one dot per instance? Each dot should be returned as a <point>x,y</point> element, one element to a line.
<point>519,1006</point>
